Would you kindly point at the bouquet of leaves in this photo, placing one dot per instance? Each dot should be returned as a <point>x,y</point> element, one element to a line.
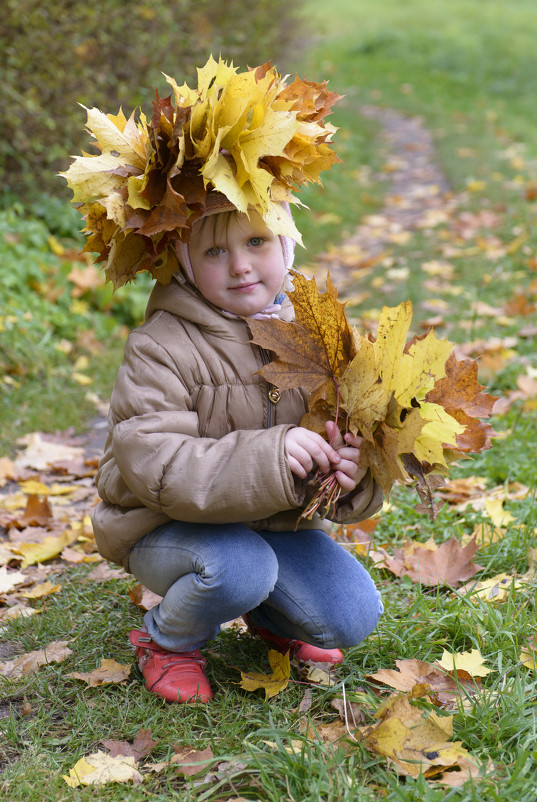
<point>417,407</point>
<point>250,137</point>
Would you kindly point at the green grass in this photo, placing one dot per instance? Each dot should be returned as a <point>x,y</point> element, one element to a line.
<point>468,68</point>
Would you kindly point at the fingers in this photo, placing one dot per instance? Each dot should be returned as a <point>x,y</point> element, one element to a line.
<point>348,473</point>
<point>334,435</point>
<point>306,449</point>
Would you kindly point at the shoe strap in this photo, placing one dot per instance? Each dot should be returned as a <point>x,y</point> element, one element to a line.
<point>138,638</point>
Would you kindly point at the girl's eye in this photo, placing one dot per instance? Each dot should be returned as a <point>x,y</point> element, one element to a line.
<point>256,241</point>
<point>215,251</point>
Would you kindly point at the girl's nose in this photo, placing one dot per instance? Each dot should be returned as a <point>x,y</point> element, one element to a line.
<point>239,263</point>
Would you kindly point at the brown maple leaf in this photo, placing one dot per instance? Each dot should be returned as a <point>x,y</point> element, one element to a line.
<point>313,350</point>
<point>459,392</point>
<point>143,597</point>
<point>409,673</point>
<point>448,564</point>
<point>110,671</point>
<point>141,746</point>
<point>38,512</point>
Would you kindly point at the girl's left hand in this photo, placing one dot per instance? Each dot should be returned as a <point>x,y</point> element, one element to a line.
<point>348,474</point>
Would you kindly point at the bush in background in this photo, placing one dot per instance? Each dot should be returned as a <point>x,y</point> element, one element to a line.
<point>111,53</point>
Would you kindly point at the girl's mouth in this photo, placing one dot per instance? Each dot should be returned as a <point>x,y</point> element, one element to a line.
<point>245,287</point>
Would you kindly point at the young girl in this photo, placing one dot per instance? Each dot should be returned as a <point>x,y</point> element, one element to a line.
<point>203,477</point>
<point>205,471</point>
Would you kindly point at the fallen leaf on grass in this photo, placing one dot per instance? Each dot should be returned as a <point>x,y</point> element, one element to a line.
<point>38,591</point>
<point>349,712</point>
<point>332,732</point>
<point>10,579</point>
<point>447,691</point>
<point>34,487</point>
<point>17,611</point>
<point>108,672</point>
<point>294,747</point>
<point>72,555</point>
<point>55,652</point>
<point>187,761</point>
<point>141,746</point>
<point>104,572</point>
<point>272,683</point>
<point>494,509</point>
<point>39,552</point>
<point>318,675</point>
<point>466,769</point>
<point>6,556</point>
<point>40,452</point>
<point>416,742</point>
<point>471,662</point>
<point>305,704</point>
<point>100,768</point>
<point>457,491</point>
<point>484,534</point>
<point>496,588</point>
<point>448,564</point>
<point>528,654</point>
<point>38,512</point>
<point>144,598</point>
<point>7,469</point>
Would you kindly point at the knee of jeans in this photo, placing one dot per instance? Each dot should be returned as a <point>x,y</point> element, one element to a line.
<point>349,630</point>
<point>246,576</point>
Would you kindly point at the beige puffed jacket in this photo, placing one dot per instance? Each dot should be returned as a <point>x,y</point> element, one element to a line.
<point>193,434</point>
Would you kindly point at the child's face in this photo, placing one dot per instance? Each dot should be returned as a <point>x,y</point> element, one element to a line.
<point>238,267</point>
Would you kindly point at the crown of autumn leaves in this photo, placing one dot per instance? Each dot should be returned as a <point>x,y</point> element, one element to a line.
<point>243,139</point>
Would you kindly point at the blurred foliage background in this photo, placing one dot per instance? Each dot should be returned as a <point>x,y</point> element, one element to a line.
<point>111,53</point>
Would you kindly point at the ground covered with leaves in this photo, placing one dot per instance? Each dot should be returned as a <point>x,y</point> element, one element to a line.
<point>439,702</point>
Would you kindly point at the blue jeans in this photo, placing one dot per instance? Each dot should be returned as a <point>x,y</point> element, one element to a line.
<point>299,585</point>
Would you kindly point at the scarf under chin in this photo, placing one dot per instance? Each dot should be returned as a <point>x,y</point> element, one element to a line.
<point>270,311</point>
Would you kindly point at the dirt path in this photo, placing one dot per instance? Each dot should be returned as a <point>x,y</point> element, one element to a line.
<point>416,190</point>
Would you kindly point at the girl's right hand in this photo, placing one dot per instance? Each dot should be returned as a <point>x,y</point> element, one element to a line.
<point>305,449</point>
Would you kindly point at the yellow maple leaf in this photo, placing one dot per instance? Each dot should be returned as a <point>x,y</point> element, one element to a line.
<point>272,683</point>
<point>528,654</point>
<point>416,743</point>
<point>385,390</point>
<point>49,547</point>
<point>246,135</point>
<point>497,514</point>
<point>100,768</point>
<point>43,589</point>
<point>472,662</point>
<point>495,588</point>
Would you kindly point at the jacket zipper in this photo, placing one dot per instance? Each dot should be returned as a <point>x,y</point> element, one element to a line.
<point>272,391</point>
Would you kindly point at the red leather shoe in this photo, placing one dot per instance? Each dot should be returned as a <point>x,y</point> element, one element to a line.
<point>305,652</point>
<point>176,676</point>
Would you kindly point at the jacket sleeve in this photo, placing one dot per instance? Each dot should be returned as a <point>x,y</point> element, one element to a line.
<point>169,468</point>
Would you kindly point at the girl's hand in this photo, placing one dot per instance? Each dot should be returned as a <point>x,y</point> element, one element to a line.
<point>306,449</point>
<point>347,474</point>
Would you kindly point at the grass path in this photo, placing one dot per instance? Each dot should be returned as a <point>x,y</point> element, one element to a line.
<point>414,187</point>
